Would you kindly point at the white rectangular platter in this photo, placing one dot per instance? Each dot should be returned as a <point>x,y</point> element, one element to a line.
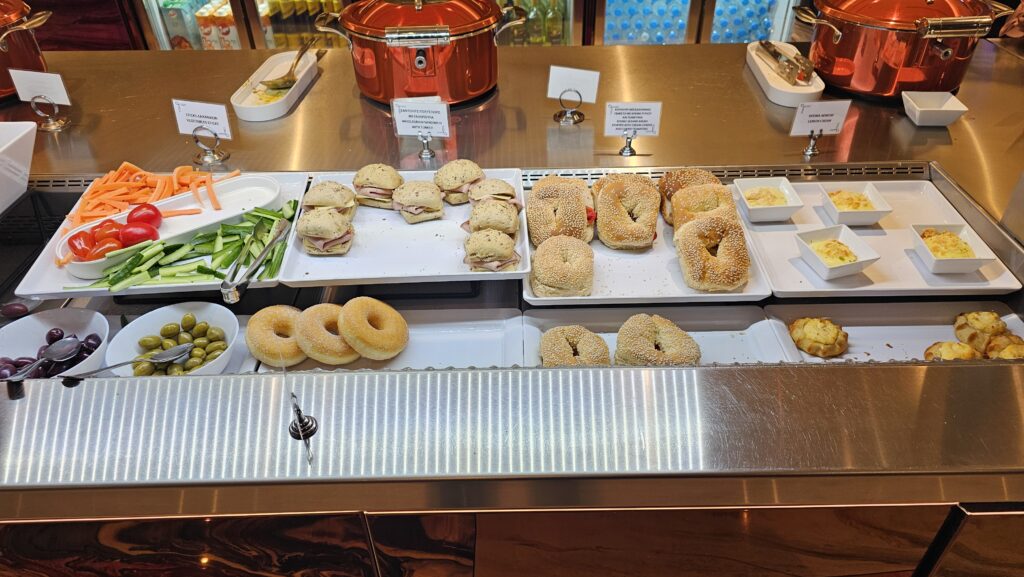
<point>440,339</point>
<point>726,334</point>
<point>45,281</point>
<point>884,332</point>
<point>899,272</point>
<point>386,249</point>
<point>650,276</point>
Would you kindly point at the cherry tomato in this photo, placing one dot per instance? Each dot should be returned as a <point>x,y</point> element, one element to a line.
<point>103,247</point>
<point>591,215</point>
<point>135,232</point>
<point>81,243</point>
<point>106,229</point>
<point>146,213</point>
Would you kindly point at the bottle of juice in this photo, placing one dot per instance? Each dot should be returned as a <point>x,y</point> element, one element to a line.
<point>535,24</point>
<point>554,21</point>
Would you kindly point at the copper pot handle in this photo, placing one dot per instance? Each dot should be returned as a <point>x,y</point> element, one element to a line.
<point>34,22</point>
<point>999,9</point>
<point>322,24</point>
<point>511,15</point>
<point>807,16</point>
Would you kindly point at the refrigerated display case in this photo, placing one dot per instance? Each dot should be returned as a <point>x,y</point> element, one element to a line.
<point>194,24</point>
<point>743,21</point>
<point>686,22</point>
<point>548,23</point>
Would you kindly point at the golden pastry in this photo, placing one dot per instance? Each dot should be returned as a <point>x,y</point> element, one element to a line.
<point>946,244</point>
<point>950,351</point>
<point>976,328</point>
<point>819,337</point>
<point>1015,351</point>
<point>999,342</point>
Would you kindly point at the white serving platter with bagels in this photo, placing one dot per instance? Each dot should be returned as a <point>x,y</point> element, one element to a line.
<point>388,250</point>
<point>898,272</point>
<point>237,196</point>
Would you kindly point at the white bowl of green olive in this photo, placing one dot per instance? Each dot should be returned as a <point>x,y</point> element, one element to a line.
<point>210,327</point>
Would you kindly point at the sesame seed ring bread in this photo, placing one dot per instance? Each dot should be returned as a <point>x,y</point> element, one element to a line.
<point>374,329</point>
<point>702,200</point>
<point>624,177</point>
<point>677,180</point>
<point>317,335</point>
<point>976,328</point>
<point>819,337</point>
<point>270,336</point>
<point>573,346</point>
<point>555,212</point>
<point>578,186</point>
<point>997,343</point>
<point>713,254</point>
<point>651,340</point>
<point>950,351</point>
<point>628,214</point>
<point>562,266</point>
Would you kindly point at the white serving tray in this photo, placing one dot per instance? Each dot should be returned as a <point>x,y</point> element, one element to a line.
<point>45,281</point>
<point>884,332</point>
<point>247,104</point>
<point>775,88</point>
<point>388,250</point>
<point>726,334</point>
<point>650,276</point>
<point>899,272</point>
<point>440,339</point>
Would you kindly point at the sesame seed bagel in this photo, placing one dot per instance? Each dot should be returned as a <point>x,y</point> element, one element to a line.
<point>628,214</point>
<point>713,254</point>
<point>562,266</point>
<point>270,336</point>
<point>578,186</point>
<point>317,335</point>
<point>624,177</point>
<point>374,329</point>
<point>702,200</point>
<point>651,340</point>
<point>573,346</point>
<point>553,212</point>
<point>677,180</point>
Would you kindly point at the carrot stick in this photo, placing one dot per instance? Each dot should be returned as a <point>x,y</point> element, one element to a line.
<point>214,201</point>
<point>231,174</point>
<point>195,193</point>
<point>61,262</point>
<point>181,212</point>
<point>179,175</point>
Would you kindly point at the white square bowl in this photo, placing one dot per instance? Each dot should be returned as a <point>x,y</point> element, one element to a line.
<point>983,255</point>
<point>17,141</point>
<point>769,213</point>
<point>865,254</point>
<point>932,108</point>
<point>855,217</point>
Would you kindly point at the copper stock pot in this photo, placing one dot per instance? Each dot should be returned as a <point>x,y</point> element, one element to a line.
<point>881,48</point>
<point>18,46</point>
<point>410,48</point>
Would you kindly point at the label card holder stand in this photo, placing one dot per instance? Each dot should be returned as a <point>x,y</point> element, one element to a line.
<point>628,149</point>
<point>427,153</point>
<point>208,155</point>
<point>569,115</point>
<point>53,121</point>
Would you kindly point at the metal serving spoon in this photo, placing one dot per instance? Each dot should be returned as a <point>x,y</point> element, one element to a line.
<point>169,356</point>
<point>289,79</point>
<point>60,351</point>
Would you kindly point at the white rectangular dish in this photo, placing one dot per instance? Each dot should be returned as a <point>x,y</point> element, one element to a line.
<point>44,280</point>
<point>726,334</point>
<point>842,233</point>
<point>779,213</point>
<point>440,339</point>
<point>247,100</point>
<point>388,250</point>
<point>884,332</point>
<point>899,271</point>
<point>982,254</point>
<point>17,142</point>
<point>855,217</point>
<point>651,276</point>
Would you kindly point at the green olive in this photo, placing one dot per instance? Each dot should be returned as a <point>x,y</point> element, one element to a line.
<point>197,354</point>
<point>193,363</point>
<point>212,356</point>
<point>170,330</point>
<point>150,342</point>
<point>201,342</point>
<point>188,321</point>
<point>217,346</point>
<point>169,344</point>
<point>176,369</point>
<point>143,369</point>
<point>215,334</point>
<point>184,337</point>
<point>200,329</point>
<point>160,373</point>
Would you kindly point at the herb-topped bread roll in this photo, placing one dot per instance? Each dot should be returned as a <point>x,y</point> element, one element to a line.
<point>325,232</point>
<point>456,178</point>
<point>375,183</point>
<point>494,214</point>
<point>418,201</point>
<point>330,194</point>
<point>494,189</point>
<point>491,251</point>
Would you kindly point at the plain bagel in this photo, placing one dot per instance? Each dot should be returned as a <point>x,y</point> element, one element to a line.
<point>270,336</point>
<point>374,329</point>
<point>317,335</point>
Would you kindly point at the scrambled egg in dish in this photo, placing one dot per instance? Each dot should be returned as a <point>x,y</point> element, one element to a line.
<point>833,252</point>
<point>847,200</point>
<point>765,196</point>
<point>946,244</point>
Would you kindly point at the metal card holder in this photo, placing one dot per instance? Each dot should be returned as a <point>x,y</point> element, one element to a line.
<point>53,122</point>
<point>208,155</point>
<point>569,115</point>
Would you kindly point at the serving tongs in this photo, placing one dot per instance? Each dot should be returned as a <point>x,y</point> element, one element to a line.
<point>796,69</point>
<point>231,290</point>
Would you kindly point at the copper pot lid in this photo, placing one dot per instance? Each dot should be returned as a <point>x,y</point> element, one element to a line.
<point>374,17</point>
<point>11,11</point>
<point>900,14</point>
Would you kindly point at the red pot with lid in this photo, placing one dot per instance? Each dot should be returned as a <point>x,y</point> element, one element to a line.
<point>18,46</point>
<point>412,48</point>
<point>881,48</point>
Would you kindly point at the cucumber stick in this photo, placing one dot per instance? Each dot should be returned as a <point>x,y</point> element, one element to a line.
<point>180,269</point>
<point>132,280</point>
<point>181,279</point>
<point>176,255</point>
<point>147,265</point>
